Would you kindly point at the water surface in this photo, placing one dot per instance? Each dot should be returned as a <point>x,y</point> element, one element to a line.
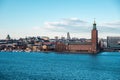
<point>54,66</point>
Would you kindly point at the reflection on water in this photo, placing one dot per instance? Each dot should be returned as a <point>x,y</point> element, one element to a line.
<point>53,66</point>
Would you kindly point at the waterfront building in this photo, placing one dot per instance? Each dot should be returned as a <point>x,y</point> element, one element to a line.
<point>60,46</point>
<point>90,45</point>
<point>113,43</point>
<point>103,44</point>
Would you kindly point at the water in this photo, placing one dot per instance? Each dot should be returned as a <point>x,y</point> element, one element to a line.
<point>54,66</point>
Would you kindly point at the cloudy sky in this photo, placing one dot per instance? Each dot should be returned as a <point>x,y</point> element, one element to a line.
<point>23,18</point>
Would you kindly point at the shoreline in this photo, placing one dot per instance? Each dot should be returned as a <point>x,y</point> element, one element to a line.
<point>64,52</point>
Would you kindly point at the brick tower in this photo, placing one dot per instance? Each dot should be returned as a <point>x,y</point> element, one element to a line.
<point>94,35</point>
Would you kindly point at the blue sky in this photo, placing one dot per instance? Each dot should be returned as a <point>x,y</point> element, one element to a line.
<point>21,18</point>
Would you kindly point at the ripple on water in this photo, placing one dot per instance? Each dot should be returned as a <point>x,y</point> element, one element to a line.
<point>51,66</point>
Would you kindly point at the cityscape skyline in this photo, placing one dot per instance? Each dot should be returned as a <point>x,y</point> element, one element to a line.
<point>21,18</point>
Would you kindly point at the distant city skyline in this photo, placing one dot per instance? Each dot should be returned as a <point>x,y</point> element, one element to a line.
<point>24,18</point>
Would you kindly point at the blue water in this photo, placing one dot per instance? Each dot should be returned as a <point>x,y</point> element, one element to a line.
<point>55,66</point>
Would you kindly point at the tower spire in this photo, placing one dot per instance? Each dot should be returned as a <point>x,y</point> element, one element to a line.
<point>94,24</point>
<point>94,21</point>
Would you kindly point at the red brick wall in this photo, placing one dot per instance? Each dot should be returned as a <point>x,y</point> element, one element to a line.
<point>79,47</point>
<point>60,47</point>
<point>94,40</point>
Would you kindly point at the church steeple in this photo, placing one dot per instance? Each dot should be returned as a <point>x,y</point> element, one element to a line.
<point>94,25</point>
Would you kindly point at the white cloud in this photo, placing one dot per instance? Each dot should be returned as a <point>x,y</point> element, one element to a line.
<point>53,25</point>
<point>69,24</point>
<point>77,28</point>
<point>114,24</point>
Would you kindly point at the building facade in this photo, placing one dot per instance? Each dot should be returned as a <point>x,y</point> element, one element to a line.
<point>88,47</point>
<point>113,43</point>
<point>94,38</point>
<point>91,47</point>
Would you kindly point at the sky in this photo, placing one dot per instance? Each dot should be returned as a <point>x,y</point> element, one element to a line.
<point>24,18</point>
